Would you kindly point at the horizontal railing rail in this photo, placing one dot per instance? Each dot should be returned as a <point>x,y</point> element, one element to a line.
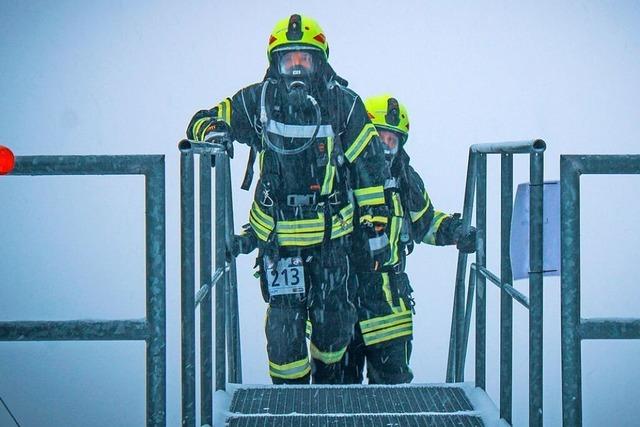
<point>152,328</point>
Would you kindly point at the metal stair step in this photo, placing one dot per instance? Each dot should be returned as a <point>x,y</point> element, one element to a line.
<point>349,400</point>
<point>357,420</point>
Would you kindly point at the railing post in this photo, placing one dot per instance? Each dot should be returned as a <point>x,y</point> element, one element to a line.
<point>221,287</point>
<point>481,261</point>
<point>233,318</point>
<point>206,379</point>
<point>458,298</point>
<point>570,293</point>
<point>156,295</point>
<point>187,251</point>
<point>536,271</point>
<point>506,302</point>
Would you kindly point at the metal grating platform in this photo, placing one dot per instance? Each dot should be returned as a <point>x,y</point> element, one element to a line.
<point>349,400</point>
<point>395,420</point>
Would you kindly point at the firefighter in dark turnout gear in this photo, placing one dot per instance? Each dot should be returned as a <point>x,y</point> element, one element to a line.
<point>384,302</point>
<point>320,167</point>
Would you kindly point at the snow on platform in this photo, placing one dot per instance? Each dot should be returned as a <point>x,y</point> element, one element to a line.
<point>445,405</point>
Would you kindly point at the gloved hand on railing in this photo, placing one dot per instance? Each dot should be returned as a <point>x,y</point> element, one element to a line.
<point>244,243</point>
<point>216,131</point>
<point>464,239</point>
<point>219,131</point>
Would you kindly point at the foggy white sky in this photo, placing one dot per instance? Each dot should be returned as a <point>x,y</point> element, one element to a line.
<point>124,78</point>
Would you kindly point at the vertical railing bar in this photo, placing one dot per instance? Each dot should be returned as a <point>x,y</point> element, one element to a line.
<point>220,260</point>
<point>155,253</point>
<point>481,261</point>
<point>570,292</point>
<point>461,270</point>
<point>467,312</point>
<point>536,289</point>
<point>206,364</point>
<point>187,233</point>
<point>235,359</point>
<point>506,303</point>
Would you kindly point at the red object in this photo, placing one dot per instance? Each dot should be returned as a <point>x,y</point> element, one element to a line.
<point>320,37</point>
<point>7,160</point>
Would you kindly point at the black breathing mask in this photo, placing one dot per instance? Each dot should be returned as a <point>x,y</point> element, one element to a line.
<point>298,68</point>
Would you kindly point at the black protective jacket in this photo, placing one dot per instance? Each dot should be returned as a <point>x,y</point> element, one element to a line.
<point>421,222</point>
<point>312,196</point>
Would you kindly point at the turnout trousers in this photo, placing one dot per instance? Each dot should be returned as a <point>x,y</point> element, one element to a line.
<point>384,331</point>
<point>325,303</point>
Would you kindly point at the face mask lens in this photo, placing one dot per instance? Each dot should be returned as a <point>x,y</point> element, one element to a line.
<point>296,63</point>
<point>390,141</point>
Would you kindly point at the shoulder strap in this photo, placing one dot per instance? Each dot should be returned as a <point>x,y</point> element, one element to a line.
<point>248,173</point>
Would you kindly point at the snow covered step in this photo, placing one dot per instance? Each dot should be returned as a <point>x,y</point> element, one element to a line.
<point>358,405</point>
<point>357,420</point>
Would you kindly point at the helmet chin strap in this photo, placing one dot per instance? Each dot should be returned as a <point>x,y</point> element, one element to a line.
<point>264,119</point>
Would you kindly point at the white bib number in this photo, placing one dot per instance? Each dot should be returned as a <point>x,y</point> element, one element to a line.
<point>285,277</point>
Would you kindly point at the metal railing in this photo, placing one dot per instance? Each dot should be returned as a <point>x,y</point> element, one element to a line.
<point>152,328</point>
<point>227,332</point>
<point>461,316</point>
<point>574,328</point>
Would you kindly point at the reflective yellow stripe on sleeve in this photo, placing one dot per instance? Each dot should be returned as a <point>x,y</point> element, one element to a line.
<point>430,237</point>
<point>417,215</point>
<point>293,370</point>
<point>260,222</point>
<point>198,128</point>
<point>369,196</point>
<point>224,111</point>
<point>360,143</point>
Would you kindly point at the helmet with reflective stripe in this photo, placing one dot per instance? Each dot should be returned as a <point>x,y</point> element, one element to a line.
<point>297,30</point>
<point>387,113</point>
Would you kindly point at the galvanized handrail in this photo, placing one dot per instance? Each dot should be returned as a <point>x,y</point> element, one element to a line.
<point>151,328</point>
<point>574,328</point>
<point>476,185</point>
<point>227,332</point>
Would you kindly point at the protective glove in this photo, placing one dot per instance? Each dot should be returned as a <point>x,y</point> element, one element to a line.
<point>244,243</point>
<point>219,131</point>
<point>465,240</point>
